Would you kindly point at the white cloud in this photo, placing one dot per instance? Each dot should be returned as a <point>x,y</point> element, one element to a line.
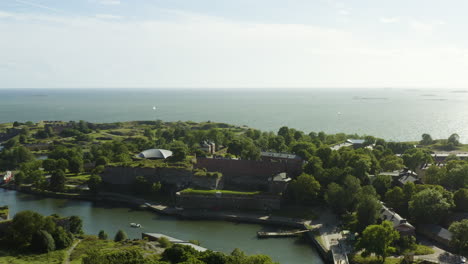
<point>201,51</point>
<point>389,20</point>
<point>344,12</point>
<point>108,2</point>
<point>107,16</point>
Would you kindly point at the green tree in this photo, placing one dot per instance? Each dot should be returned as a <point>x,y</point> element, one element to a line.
<point>120,236</point>
<point>75,164</point>
<point>381,183</point>
<point>62,164</point>
<point>459,232</point>
<point>24,225</point>
<point>391,163</point>
<point>426,139</point>
<point>42,242</point>
<point>94,182</point>
<point>395,198</point>
<point>305,188</point>
<point>76,224</point>
<point>336,198</point>
<point>19,178</point>
<point>102,235</point>
<point>454,139</point>
<point>367,211</point>
<point>57,181</point>
<point>434,175</point>
<point>428,206</point>
<point>460,198</point>
<point>378,239</point>
<point>413,158</point>
<point>49,165</point>
<point>63,239</point>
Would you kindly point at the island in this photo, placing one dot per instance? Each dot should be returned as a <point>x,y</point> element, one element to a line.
<point>357,199</point>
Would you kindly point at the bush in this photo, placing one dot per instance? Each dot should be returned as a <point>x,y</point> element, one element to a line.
<point>120,236</point>
<point>164,242</point>
<point>102,235</point>
<point>63,239</point>
<point>43,242</point>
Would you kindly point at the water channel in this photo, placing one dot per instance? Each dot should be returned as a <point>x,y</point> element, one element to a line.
<point>215,235</point>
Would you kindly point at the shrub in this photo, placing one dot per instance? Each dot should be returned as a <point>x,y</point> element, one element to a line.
<point>120,236</point>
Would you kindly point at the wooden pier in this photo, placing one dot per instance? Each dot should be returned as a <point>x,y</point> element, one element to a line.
<point>280,234</point>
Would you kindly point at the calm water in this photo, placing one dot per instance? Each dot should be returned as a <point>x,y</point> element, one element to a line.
<point>215,235</point>
<point>389,113</point>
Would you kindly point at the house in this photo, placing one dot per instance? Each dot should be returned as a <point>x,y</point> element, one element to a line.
<point>399,223</point>
<point>356,143</point>
<point>436,233</point>
<point>400,178</point>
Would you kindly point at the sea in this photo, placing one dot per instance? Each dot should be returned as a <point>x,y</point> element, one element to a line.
<point>392,114</point>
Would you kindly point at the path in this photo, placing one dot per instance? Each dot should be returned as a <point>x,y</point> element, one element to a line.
<point>439,255</point>
<point>332,237</point>
<point>69,251</point>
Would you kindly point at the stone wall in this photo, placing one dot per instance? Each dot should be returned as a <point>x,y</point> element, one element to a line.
<point>248,174</point>
<point>228,202</point>
<point>174,176</point>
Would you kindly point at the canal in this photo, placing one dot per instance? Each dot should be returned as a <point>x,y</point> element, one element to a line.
<point>215,235</point>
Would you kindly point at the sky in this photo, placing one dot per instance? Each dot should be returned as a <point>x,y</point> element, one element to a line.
<point>233,44</point>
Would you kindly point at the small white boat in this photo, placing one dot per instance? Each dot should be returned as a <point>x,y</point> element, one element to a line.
<point>135,225</point>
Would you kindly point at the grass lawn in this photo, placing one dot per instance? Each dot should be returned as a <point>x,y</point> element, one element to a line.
<point>423,250</point>
<point>72,178</point>
<point>212,192</point>
<point>55,257</point>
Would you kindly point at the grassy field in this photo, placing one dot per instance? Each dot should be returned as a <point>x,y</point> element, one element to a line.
<point>79,179</point>
<point>212,192</point>
<point>92,242</point>
<point>55,257</point>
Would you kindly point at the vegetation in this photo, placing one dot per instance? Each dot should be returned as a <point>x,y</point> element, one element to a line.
<point>213,192</point>
<point>378,239</point>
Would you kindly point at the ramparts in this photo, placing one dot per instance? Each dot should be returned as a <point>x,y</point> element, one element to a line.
<point>249,174</point>
<point>222,201</point>
<point>175,176</point>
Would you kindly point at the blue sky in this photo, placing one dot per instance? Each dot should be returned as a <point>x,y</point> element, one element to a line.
<point>230,44</point>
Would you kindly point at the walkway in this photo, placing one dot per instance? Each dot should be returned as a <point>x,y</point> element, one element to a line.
<point>66,260</point>
<point>332,237</point>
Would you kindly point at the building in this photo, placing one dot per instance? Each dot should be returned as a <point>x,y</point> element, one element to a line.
<point>356,143</point>
<point>399,223</point>
<point>436,233</point>
<point>7,177</point>
<point>155,154</point>
<point>208,146</point>
<point>400,178</point>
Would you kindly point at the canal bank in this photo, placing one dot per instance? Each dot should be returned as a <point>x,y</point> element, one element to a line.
<point>220,236</point>
<point>191,214</point>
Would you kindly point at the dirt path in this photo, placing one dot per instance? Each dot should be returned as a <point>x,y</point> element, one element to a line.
<point>69,251</point>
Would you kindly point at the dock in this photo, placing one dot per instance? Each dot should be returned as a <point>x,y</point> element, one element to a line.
<point>280,234</point>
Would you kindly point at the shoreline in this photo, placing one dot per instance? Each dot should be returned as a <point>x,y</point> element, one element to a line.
<point>194,215</point>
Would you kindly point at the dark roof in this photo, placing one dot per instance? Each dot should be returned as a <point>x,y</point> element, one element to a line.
<point>437,231</point>
<point>280,155</point>
<point>408,178</point>
<point>356,141</point>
